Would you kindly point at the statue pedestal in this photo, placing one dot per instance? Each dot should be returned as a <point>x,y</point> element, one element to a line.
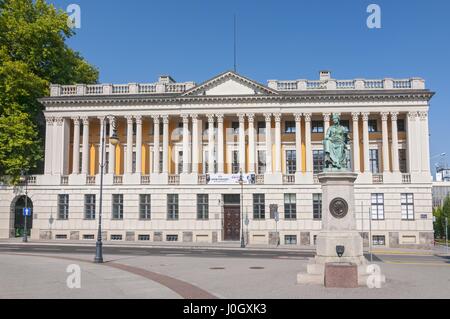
<point>338,229</point>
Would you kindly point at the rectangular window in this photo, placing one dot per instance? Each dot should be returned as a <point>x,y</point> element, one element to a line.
<point>117,206</point>
<point>144,206</point>
<point>289,127</point>
<point>202,206</point>
<point>374,163</point>
<point>63,206</point>
<point>378,240</point>
<point>261,128</point>
<point>161,161</point>
<point>235,162</point>
<point>88,237</point>
<point>291,162</point>
<point>261,162</point>
<point>235,127</point>
<point>377,206</point>
<point>106,168</point>
<point>402,161</point>
<point>134,128</point>
<point>259,207</point>
<point>318,159</point>
<point>290,206</point>
<point>89,206</point>
<point>290,239</point>
<point>401,125</point>
<point>373,126</point>
<point>346,124</point>
<point>317,206</point>
<point>180,162</point>
<point>172,206</point>
<point>317,126</point>
<point>407,206</point>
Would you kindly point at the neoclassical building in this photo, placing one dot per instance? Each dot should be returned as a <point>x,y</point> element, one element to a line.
<point>174,173</point>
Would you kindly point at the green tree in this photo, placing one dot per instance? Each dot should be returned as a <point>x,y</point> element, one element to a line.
<point>440,214</point>
<point>33,54</point>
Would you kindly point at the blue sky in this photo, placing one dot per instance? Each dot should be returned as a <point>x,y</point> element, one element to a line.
<point>192,40</point>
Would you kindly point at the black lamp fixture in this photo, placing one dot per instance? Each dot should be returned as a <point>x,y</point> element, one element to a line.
<point>340,251</point>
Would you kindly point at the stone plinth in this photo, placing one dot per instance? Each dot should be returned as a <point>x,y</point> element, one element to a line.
<point>338,229</point>
<point>341,275</point>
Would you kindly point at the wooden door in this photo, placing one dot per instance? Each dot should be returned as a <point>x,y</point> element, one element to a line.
<point>232,222</point>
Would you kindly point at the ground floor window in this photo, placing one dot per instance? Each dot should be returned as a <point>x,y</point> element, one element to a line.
<point>377,206</point>
<point>172,238</point>
<point>117,206</point>
<point>144,206</point>
<point>172,206</point>
<point>317,206</point>
<point>202,206</point>
<point>63,206</point>
<point>259,206</point>
<point>290,206</point>
<point>407,206</point>
<point>89,206</point>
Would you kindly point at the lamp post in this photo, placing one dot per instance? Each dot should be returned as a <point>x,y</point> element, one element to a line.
<point>241,181</point>
<point>24,179</point>
<point>114,140</point>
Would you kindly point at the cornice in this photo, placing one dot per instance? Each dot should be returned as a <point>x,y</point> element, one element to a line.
<point>299,97</point>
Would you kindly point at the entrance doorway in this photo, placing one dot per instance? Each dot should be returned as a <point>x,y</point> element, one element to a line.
<point>19,219</point>
<point>232,217</point>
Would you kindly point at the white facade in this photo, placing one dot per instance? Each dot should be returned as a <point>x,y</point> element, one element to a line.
<point>229,114</point>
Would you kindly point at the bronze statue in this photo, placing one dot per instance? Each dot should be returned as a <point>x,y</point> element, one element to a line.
<point>336,146</point>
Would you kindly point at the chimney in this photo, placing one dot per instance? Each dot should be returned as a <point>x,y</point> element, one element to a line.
<point>324,75</point>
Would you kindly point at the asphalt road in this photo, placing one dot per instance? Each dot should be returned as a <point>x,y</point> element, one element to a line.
<point>157,251</point>
<point>413,259</point>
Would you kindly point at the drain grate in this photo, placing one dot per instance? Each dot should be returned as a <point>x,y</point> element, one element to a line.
<point>217,268</point>
<point>256,268</point>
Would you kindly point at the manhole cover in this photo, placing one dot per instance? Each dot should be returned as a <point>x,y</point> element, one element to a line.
<point>256,268</point>
<point>217,268</point>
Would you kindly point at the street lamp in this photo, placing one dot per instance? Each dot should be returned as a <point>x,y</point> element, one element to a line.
<point>241,181</point>
<point>24,179</point>
<point>114,140</point>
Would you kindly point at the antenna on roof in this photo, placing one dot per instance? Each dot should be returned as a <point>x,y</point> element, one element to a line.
<point>235,38</point>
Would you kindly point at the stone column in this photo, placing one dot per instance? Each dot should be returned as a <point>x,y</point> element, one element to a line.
<point>129,165</point>
<point>211,144</point>
<point>365,117</point>
<point>156,144</point>
<point>268,130</point>
<point>412,155</point>
<point>138,144</point>
<point>309,155</point>
<point>384,119</point>
<point>85,156</point>
<point>165,144</point>
<point>76,146</point>
<point>220,144</point>
<point>57,145</point>
<point>425,135</point>
<point>356,156</point>
<point>185,143</point>
<point>101,120</point>
<point>242,142</point>
<point>298,141</point>
<point>277,142</point>
<point>49,144</point>
<point>112,148</point>
<point>394,150</point>
<point>326,122</point>
<point>251,143</point>
<point>195,148</point>
<point>418,142</point>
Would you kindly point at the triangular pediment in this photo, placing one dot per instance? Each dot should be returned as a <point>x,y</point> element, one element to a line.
<point>229,83</point>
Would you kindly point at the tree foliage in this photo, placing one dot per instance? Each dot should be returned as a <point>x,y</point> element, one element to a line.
<point>33,54</point>
<point>440,214</point>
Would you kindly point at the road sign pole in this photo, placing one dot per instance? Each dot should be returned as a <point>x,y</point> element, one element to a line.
<point>25,230</point>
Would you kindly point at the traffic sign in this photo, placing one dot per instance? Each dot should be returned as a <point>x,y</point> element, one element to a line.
<point>27,212</point>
